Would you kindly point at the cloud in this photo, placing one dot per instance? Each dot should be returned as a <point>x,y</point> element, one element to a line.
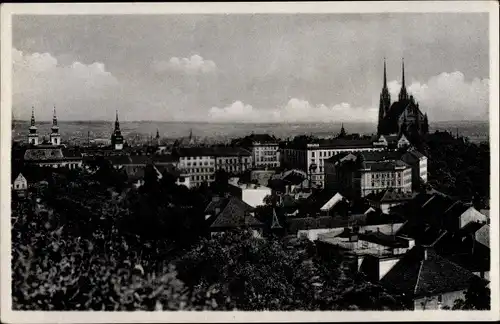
<point>39,79</point>
<point>294,111</point>
<point>192,65</point>
<point>448,96</point>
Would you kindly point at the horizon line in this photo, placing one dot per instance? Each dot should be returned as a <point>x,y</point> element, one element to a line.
<point>232,122</point>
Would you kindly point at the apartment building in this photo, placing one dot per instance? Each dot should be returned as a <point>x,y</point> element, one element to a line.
<point>310,157</point>
<point>202,162</point>
<point>360,174</point>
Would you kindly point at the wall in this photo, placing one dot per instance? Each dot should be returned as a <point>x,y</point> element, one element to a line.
<point>255,197</point>
<point>385,265</point>
<point>432,302</point>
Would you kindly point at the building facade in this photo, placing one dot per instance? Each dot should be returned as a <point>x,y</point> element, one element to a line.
<point>311,157</point>
<point>202,162</point>
<point>266,154</point>
<point>360,174</point>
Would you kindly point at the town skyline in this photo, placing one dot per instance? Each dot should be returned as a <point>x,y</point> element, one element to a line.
<point>201,74</point>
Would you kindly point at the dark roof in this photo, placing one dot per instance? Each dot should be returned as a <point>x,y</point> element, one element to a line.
<point>234,214</point>
<point>382,239</point>
<point>43,154</point>
<point>213,151</point>
<point>416,276</point>
<point>340,143</point>
<point>384,166</point>
<point>293,178</point>
<point>390,195</point>
<point>307,223</point>
<point>164,158</point>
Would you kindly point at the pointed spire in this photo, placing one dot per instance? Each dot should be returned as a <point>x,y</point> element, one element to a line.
<point>275,223</point>
<point>403,69</point>
<point>32,116</point>
<point>403,94</point>
<point>157,134</point>
<point>385,75</point>
<point>117,122</point>
<point>54,118</point>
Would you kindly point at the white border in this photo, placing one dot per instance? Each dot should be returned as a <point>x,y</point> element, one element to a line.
<point>7,10</point>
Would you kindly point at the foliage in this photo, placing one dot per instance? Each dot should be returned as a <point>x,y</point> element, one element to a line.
<point>239,271</point>
<point>477,297</point>
<point>458,168</point>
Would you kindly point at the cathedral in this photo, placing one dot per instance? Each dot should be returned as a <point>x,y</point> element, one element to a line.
<point>402,116</point>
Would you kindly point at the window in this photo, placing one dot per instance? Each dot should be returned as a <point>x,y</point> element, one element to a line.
<point>17,186</point>
<point>312,154</point>
<point>440,298</point>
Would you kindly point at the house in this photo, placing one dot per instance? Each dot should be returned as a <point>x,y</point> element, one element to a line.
<point>392,141</point>
<point>265,151</point>
<point>388,198</point>
<point>427,280</point>
<point>223,214</point>
<point>366,249</point>
<point>20,185</point>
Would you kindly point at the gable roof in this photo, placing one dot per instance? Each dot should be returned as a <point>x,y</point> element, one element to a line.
<point>234,214</point>
<point>483,235</point>
<point>332,202</point>
<point>43,154</point>
<point>417,276</point>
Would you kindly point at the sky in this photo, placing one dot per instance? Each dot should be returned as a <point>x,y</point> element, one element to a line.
<point>248,68</point>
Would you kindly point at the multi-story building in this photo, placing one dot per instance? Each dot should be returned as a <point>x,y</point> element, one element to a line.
<point>53,157</point>
<point>310,157</point>
<point>266,154</point>
<point>418,162</point>
<point>359,174</point>
<point>202,162</point>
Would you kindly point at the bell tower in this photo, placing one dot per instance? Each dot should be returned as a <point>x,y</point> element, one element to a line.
<point>33,134</point>
<point>117,138</point>
<point>55,137</point>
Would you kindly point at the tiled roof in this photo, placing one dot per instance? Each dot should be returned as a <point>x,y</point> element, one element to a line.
<point>43,154</point>
<point>235,214</point>
<point>416,276</point>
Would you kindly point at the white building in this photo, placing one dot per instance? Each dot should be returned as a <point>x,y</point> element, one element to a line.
<point>310,157</point>
<point>20,183</point>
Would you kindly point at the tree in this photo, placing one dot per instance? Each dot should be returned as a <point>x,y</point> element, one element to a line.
<point>477,297</point>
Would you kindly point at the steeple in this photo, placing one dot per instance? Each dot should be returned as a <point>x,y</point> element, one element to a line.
<point>55,137</point>
<point>33,135</point>
<point>117,122</point>
<point>384,104</point>
<point>54,118</point>
<point>116,137</point>
<point>385,76</point>
<point>403,94</point>
<point>33,117</point>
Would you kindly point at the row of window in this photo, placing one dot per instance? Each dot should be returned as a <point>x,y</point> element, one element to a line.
<point>202,177</point>
<point>202,170</point>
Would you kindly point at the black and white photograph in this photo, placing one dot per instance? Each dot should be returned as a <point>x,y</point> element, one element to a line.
<point>243,159</point>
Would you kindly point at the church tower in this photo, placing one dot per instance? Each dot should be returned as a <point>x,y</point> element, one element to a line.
<point>157,137</point>
<point>117,138</point>
<point>385,103</point>
<point>403,94</point>
<point>55,137</point>
<point>33,135</point>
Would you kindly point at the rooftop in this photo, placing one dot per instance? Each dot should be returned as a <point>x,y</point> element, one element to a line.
<point>422,272</point>
<point>217,151</point>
